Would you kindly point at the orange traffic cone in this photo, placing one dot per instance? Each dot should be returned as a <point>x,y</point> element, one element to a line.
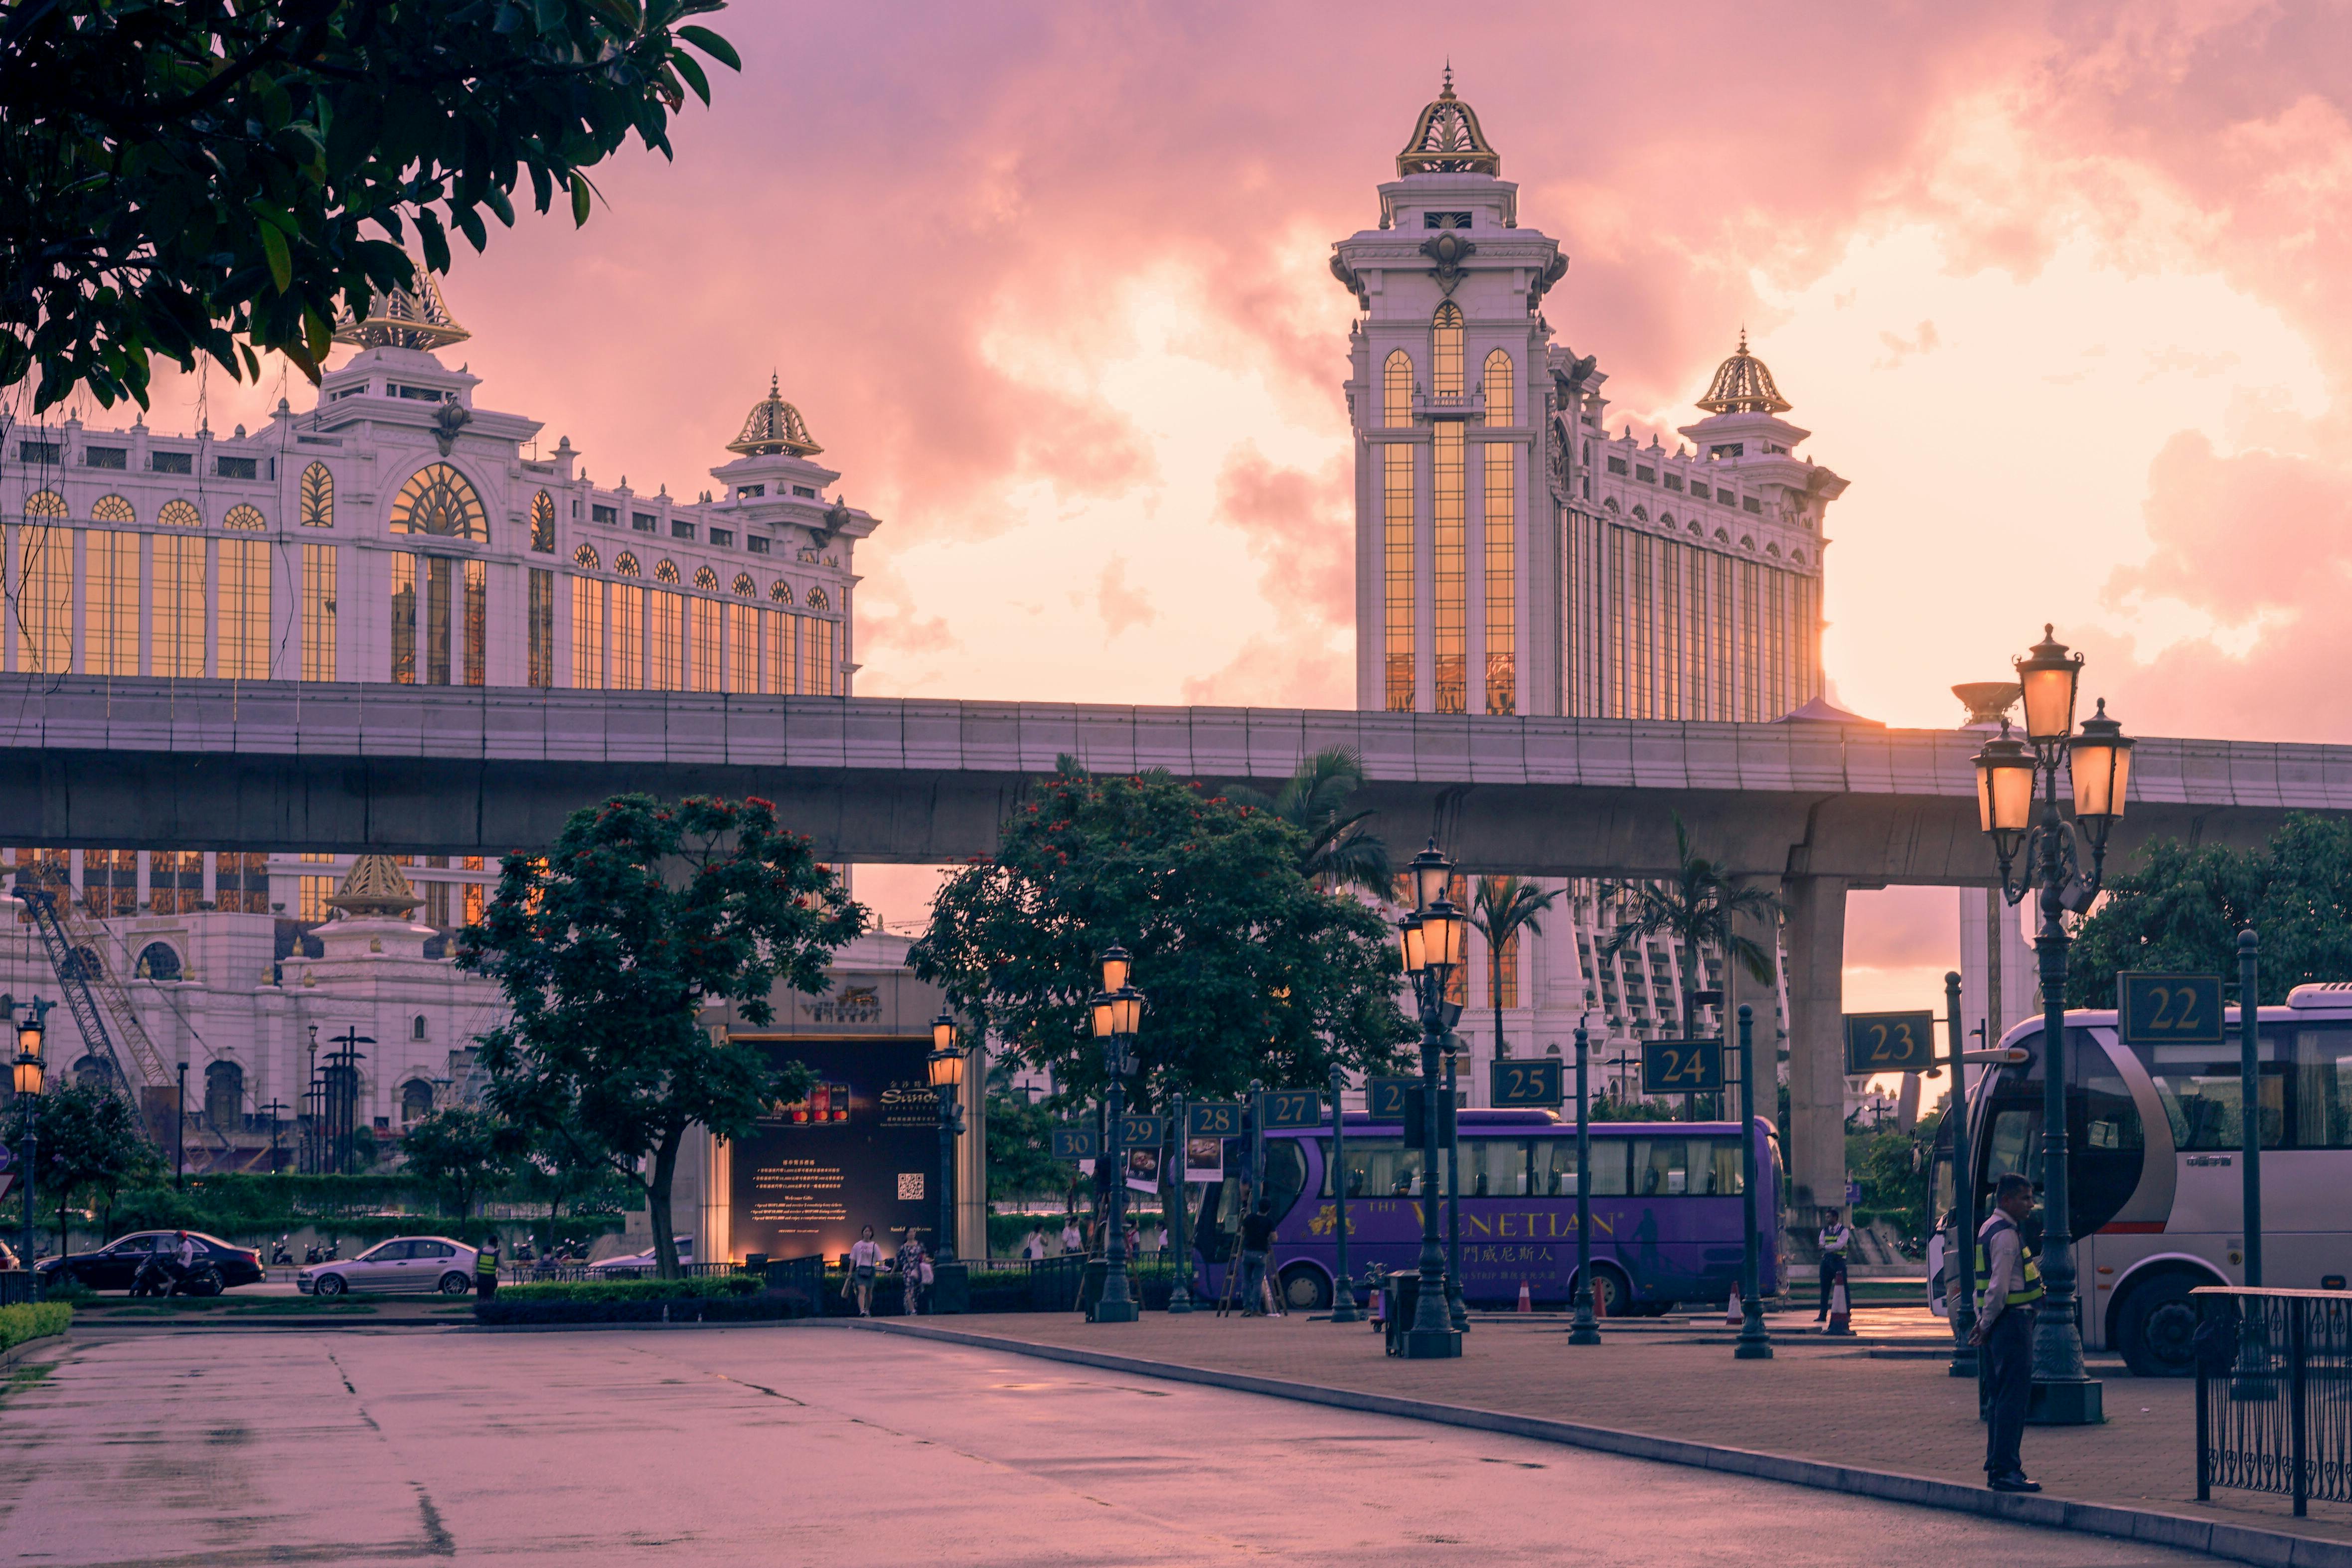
<point>1841,1312</point>
<point>1526,1301</point>
<point>1731,1319</point>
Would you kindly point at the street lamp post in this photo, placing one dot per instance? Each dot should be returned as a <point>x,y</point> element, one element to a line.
<point>1343,1295</point>
<point>275,1110</point>
<point>1755,1343</point>
<point>180,1136</point>
<point>1117,1013</point>
<point>1585,1330</point>
<point>1179,1295</point>
<point>1433,937</point>
<point>2009,773</point>
<point>1963,1257</point>
<point>31,1036</point>
<point>947,1065</point>
<point>1456,1313</point>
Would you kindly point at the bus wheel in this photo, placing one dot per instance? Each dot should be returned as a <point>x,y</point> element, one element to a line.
<point>1304,1288</point>
<point>2159,1328</point>
<point>1611,1297</point>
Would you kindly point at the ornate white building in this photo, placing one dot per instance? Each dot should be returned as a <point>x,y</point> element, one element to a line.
<point>1512,557</point>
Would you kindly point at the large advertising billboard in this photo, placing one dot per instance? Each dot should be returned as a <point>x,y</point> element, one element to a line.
<point>862,1149</point>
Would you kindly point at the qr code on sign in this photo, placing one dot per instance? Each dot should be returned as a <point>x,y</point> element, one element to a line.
<point>910,1185</point>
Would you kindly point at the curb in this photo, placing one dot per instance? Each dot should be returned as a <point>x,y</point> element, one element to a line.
<point>2243,1543</point>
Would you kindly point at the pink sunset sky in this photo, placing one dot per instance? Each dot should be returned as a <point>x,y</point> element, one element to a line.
<point>2060,288</point>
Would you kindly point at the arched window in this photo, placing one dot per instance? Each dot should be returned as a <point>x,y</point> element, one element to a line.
<point>45,503</point>
<point>241,516</point>
<point>1398,619</point>
<point>585,559</point>
<point>158,961</point>
<point>1641,513</point>
<point>112,509</point>
<point>626,565</point>
<point>543,523</point>
<point>440,501</point>
<point>665,572</point>
<point>706,579</point>
<point>318,498</point>
<point>781,593</point>
<point>416,1100</point>
<point>818,601</point>
<point>1502,510</point>
<point>1449,551</point>
<point>744,587</point>
<point>225,1097</point>
<point>179,514</point>
<point>416,1027</point>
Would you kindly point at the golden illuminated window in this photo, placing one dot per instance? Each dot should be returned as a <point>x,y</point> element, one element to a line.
<point>587,633</point>
<point>44,594</point>
<point>704,617</point>
<point>543,628</point>
<point>110,610</point>
<point>243,517</point>
<point>1397,533</point>
<point>742,646</point>
<point>626,565</point>
<point>628,637</point>
<point>317,501</point>
<point>179,514</point>
<point>585,559</point>
<point>45,503</point>
<point>817,601</point>
<point>744,587</point>
<point>112,509</point>
<point>403,620</point>
<point>665,640</point>
<point>706,579</point>
<point>543,523</point>
<point>477,623</point>
<point>781,676</point>
<point>318,612</point>
<point>312,893</point>
<point>178,608</point>
<point>781,592</point>
<point>243,633</point>
<point>818,663</point>
<point>1508,993</point>
<point>1501,509</point>
<point>474,901</point>
<point>665,572</point>
<point>439,584</point>
<point>440,501</point>
<point>1449,565</point>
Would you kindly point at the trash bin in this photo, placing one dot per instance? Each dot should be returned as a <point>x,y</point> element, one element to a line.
<point>1404,1293</point>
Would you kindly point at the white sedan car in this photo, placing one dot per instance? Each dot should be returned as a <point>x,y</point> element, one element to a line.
<point>416,1264</point>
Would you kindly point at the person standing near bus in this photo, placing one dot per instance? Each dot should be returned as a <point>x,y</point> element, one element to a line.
<point>1834,1240</point>
<point>486,1269</point>
<point>2005,1312</point>
<point>1257,1238</point>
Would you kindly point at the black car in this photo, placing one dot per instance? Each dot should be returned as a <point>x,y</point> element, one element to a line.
<point>111,1266</point>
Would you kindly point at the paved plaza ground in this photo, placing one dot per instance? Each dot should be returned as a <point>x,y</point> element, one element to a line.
<point>1829,1400</point>
<point>810,1444</point>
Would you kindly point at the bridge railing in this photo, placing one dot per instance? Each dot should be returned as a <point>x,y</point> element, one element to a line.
<point>2274,1393</point>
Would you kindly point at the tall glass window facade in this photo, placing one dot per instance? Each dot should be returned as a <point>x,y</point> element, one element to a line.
<point>318,612</point>
<point>477,621</point>
<point>179,607</point>
<point>44,594</point>
<point>110,611</point>
<point>1397,533</point>
<point>783,673</point>
<point>628,637</point>
<point>587,633</point>
<point>1501,550</point>
<point>440,585</point>
<point>742,648</point>
<point>542,628</point>
<point>403,619</point>
<point>1448,547</point>
<point>704,617</point>
<point>817,665</point>
<point>244,632</point>
<point>665,636</point>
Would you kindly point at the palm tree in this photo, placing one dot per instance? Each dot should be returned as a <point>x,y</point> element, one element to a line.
<point>1340,851</point>
<point>1700,908</point>
<point>1501,908</point>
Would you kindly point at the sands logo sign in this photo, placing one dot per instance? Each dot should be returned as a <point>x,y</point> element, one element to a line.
<point>853,1005</point>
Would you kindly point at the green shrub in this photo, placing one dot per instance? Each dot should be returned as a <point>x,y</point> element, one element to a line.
<point>68,1288</point>
<point>703,1290</point>
<point>737,1308</point>
<point>33,1320</point>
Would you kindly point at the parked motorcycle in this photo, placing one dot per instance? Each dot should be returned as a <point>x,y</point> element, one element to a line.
<point>314,1253</point>
<point>279,1254</point>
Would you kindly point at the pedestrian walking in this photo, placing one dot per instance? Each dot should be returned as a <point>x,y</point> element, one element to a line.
<point>1257,1236</point>
<point>914,1273</point>
<point>864,1257</point>
<point>486,1269</point>
<point>1032,1246</point>
<point>1835,1238</point>
<point>1134,1239</point>
<point>2006,1308</point>
<point>1072,1241</point>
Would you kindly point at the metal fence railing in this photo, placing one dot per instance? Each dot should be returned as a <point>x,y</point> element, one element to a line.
<point>2274,1393</point>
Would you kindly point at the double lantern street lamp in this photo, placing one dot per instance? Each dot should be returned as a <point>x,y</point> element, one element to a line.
<point>31,1071</point>
<point>947,1065</point>
<point>1117,1015</point>
<point>1435,937</point>
<point>2040,853</point>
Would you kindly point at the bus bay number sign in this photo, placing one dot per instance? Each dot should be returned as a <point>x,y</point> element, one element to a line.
<point>1142,1132</point>
<point>1290,1108</point>
<point>1213,1119</point>
<point>1681,1067</point>
<point>1889,1042</point>
<point>1384,1097</point>
<point>1528,1083</point>
<point>2169,1009</point>
<point>1076,1144</point>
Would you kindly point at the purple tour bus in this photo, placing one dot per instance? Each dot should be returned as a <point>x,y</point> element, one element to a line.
<point>1665,1204</point>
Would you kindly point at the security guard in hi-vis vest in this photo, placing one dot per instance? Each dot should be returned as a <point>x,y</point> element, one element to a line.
<point>486,1269</point>
<point>2005,1311</point>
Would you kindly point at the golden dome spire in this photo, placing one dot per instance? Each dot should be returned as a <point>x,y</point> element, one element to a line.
<point>1447,140</point>
<point>773,427</point>
<point>415,316</point>
<point>374,889</point>
<point>1743,386</point>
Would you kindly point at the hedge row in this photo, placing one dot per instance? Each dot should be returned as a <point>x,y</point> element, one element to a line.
<point>733,1309</point>
<point>33,1320</point>
<point>722,1287</point>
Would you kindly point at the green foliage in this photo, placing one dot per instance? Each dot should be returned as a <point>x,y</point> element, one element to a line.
<point>607,952</point>
<point>1501,908</point>
<point>1892,1169</point>
<point>1340,851</point>
<point>460,1150</point>
<point>88,1141</point>
<point>222,181</point>
<point>33,1320</point>
<point>706,1289</point>
<point>1700,908</point>
<point>2180,908</point>
<point>1021,1163</point>
<point>1251,971</point>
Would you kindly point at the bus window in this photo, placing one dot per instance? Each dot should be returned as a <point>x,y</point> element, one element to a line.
<point>1721,1177</point>
<point>2200,1088</point>
<point>2322,1089</point>
<point>1494,1168</point>
<point>1382,1168</point>
<point>1286,1171</point>
<point>1555,1168</point>
<point>2015,1145</point>
<point>1661,1167</point>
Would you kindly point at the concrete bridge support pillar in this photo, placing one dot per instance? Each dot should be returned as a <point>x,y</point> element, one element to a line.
<point>1816,940</point>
